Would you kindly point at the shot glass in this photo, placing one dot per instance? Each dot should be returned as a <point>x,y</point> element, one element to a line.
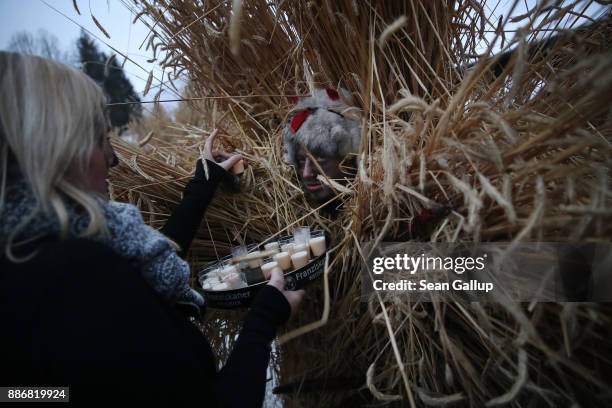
<point>317,243</point>
<point>283,259</point>
<point>274,245</point>
<point>254,263</point>
<point>287,244</point>
<point>208,276</point>
<point>301,235</point>
<point>237,252</point>
<point>299,259</point>
<point>302,248</point>
<point>267,266</point>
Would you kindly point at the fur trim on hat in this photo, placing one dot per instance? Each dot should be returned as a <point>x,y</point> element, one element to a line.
<point>326,131</point>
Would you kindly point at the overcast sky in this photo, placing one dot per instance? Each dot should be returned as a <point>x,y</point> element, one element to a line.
<point>34,15</point>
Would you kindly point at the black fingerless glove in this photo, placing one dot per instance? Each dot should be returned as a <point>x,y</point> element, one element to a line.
<point>229,181</point>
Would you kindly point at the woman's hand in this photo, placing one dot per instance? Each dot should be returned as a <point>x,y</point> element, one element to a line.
<point>294,297</point>
<point>223,159</point>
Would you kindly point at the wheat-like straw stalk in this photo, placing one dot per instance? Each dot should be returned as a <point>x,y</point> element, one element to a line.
<point>520,151</point>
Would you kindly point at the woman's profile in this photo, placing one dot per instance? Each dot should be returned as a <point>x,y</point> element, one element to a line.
<point>90,296</point>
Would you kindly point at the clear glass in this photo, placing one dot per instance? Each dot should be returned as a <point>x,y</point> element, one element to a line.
<point>267,266</point>
<point>235,280</point>
<point>267,259</point>
<point>299,259</point>
<point>256,262</point>
<point>273,245</point>
<point>317,243</point>
<point>317,233</point>
<point>286,244</point>
<point>203,274</point>
<point>301,235</point>
<point>239,251</point>
<point>284,260</point>
<point>225,276</point>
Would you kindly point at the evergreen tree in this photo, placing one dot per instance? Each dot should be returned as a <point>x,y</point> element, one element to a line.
<point>111,78</point>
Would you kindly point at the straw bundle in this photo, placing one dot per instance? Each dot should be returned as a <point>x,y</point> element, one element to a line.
<point>519,150</point>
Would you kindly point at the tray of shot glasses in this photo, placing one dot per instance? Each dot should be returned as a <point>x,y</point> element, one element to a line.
<point>234,280</point>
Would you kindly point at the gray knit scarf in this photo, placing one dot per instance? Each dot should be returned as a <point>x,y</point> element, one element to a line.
<point>148,250</point>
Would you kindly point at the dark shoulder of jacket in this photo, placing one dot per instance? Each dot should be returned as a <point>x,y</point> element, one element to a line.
<point>23,284</point>
<point>80,249</point>
<point>49,253</point>
<point>76,255</point>
<point>83,284</point>
<point>28,287</point>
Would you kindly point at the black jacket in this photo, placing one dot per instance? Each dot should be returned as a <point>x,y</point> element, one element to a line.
<point>79,315</point>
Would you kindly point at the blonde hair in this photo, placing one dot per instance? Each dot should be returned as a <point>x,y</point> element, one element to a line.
<point>51,117</point>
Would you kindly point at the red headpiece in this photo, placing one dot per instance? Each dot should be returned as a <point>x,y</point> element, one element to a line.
<point>299,118</point>
<point>332,94</point>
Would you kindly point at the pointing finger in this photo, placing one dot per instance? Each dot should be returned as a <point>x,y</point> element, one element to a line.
<point>209,141</point>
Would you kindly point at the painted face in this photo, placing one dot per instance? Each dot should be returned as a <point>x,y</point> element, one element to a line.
<point>308,172</point>
<point>101,160</point>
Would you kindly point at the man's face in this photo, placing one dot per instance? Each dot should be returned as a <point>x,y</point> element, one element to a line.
<point>308,172</point>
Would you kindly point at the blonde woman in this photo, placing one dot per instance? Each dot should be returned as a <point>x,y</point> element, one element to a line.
<point>88,292</point>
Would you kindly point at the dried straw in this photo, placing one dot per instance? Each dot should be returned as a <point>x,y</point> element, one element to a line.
<point>519,151</point>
